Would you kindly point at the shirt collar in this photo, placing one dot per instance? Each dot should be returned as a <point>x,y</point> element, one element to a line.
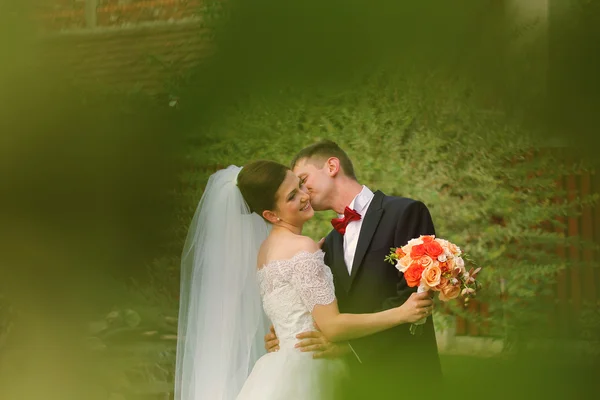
<point>361,201</point>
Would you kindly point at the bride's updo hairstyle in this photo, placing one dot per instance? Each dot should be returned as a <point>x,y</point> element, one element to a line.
<point>259,181</point>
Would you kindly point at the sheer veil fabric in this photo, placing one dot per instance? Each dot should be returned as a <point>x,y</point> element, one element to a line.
<point>221,318</point>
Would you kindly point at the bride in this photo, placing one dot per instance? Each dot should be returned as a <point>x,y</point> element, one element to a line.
<point>244,254</point>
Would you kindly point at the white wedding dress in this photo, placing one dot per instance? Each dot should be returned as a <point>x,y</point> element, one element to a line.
<point>290,289</point>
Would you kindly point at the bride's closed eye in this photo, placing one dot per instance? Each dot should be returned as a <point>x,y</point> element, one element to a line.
<point>293,195</point>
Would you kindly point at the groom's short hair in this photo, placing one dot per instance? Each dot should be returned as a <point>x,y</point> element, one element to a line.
<point>319,152</point>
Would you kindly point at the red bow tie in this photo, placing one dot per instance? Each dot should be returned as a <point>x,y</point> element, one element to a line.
<point>339,224</point>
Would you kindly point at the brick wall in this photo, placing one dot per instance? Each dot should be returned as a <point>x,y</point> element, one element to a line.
<point>136,44</point>
<point>58,15</point>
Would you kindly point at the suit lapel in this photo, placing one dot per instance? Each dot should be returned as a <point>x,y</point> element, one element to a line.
<point>368,228</point>
<point>339,266</point>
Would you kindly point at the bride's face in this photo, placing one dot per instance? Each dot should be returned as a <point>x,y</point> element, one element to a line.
<point>293,202</point>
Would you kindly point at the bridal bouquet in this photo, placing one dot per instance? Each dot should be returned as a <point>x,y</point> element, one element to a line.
<point>434,264</point>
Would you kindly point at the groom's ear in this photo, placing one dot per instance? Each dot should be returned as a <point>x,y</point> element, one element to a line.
<point>333,166</point>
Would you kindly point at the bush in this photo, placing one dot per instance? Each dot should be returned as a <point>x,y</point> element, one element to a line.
<point>489,183</point>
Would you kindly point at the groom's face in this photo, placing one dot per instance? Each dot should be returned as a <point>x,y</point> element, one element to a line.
<point>317,181</point>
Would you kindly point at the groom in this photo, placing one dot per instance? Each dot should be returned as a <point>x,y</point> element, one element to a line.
<point>393,363</point>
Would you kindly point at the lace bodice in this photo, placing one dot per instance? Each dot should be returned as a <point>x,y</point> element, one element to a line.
<point>290,289</point>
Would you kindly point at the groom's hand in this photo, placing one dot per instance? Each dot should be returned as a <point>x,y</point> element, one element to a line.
<point>271,341</point>
<point>333,350</point>
<point>316,342</point>
<point>311,341</point>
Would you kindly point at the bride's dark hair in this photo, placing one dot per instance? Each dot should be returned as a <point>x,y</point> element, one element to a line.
<point>259,181</point>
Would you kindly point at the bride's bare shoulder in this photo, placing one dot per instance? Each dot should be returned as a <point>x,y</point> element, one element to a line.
<point>302,243</point>
<point>285,248</point>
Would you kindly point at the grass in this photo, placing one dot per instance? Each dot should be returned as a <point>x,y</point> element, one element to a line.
<point>532,376</point>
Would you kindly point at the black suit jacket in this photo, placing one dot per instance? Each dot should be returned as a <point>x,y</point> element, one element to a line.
<point>375,285</point>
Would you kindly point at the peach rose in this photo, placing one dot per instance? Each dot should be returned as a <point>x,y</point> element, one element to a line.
<point>454,249</point>
<point>443,283</point>
<point>404,263</point>
<point>449,292</point>
<point>460,263</point>
<point>399,253</point>
<point>413,274</point>
<point>444,267</point>
<point>425,261</point>
<point>432,275</point>
<point>414,242</point>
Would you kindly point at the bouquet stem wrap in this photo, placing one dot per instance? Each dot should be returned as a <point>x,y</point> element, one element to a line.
<point>417,328</point>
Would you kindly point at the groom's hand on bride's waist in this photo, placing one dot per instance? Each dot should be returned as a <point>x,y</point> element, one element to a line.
<point>271,341</point>
<point>317,343</point>
<point>334,350</point>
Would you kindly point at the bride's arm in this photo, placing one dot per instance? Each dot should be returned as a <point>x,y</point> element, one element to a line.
<point>339,327</point>
<point>314,283</point>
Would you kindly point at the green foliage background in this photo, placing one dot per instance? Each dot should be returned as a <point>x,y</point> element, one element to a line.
<point>490,184</point>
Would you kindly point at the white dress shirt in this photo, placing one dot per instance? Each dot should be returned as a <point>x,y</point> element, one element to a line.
<point>360,204</point>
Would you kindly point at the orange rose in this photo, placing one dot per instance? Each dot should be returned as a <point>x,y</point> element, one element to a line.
<point>433,249</point>
<point>399,253</point>
<point>449,292</point>
<point>417,251</point>
<point>413,274</point>
<point>427,238</point>
<point>432,275</point>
